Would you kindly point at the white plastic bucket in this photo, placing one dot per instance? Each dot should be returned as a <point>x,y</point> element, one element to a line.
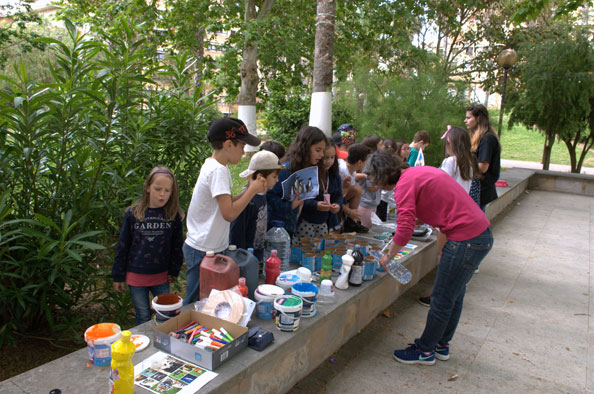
<point>167,306</point>
<point>288,312</point>
<point>286,280</point>
<point>265,295</point>
<point>99,338</point>
<point>308,292</point>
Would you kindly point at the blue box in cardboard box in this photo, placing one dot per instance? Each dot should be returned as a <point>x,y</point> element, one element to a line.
<point>202,357</point>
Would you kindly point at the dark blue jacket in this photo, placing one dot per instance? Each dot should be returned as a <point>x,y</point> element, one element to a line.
<point>310,211</point>
<point>279,209</point>
<point>149,247</point>
<point>243,229</point>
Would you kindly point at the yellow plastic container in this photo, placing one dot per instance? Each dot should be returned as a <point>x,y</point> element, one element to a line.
<point>121,378</point>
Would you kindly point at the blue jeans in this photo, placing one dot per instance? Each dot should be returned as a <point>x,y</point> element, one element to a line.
<point>140,299</point>
<point>456,267</point>
<point>193,259</point>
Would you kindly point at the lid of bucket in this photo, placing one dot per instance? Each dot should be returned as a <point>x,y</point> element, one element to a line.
<point>270,290</point>
<point>101,330</point>
<point>287,279</point>
<point>289,301</point>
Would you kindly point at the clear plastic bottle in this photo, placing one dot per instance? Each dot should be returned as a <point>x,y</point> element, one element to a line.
<point>399,272</point>
<point>121,377</point>
<point>278,238</point>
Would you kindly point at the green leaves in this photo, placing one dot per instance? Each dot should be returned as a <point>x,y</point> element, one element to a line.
<point>74,152</point>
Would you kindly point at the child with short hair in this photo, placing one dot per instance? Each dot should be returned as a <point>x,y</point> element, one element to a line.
<point>249,229</point>
<point>212,207</point>
<point>319,214</point>
<point>421,141</point>
<point>350,189</point>
<point>374,142</point>
<point>149,251</point>
<point>274,147</point>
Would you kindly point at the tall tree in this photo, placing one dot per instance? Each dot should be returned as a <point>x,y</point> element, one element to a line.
<point>320,114</point>
<point>557,91</point>
<point>249,65</point>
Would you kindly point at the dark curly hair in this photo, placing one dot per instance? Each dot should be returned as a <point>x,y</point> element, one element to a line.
<point>298,153</point>
<point>384,169</point>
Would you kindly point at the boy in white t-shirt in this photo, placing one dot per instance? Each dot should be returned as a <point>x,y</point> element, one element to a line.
<point>212,207</point>
<point>349,171</point>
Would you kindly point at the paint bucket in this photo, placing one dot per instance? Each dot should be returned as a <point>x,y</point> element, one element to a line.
<point>318,262</point>
<point>288,312</point>
<point>166,306</point>
<point>308,292</point>
<point>286,280</point>
<point>99,339</point>
<point>296,253</point>
<point>369,265</point>
<point>307,261</point>
<point>265,295</point>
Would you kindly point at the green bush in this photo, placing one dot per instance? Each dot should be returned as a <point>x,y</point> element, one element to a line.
<point>397,107</point>
<point>73,154</point>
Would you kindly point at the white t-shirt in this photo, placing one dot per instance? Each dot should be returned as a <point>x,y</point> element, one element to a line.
<point>450,166</point>
<point>343,171</point>
<point>207,229</point>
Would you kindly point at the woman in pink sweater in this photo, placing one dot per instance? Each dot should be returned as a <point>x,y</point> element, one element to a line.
<point>437,199</point>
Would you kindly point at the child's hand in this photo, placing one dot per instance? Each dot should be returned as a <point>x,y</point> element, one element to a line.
<point>258,185</point>
<point>171,279</point>
<point>334,208</point>
<point>346,182</point>
<point>353,214</point>
<point>323,206</point>
<point>296,202</point>
<point>119,286</point>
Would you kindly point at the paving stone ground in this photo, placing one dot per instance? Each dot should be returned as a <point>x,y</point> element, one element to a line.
<point>526,323</point>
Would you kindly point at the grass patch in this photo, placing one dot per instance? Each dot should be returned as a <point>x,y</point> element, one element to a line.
<point>238,182</point>
<point>519,143</point>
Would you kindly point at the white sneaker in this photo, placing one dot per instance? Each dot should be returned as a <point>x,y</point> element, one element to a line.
<point>476,271</point>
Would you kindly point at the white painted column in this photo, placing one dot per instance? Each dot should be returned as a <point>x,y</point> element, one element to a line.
<point>247,113</point>
<point>320,114</point>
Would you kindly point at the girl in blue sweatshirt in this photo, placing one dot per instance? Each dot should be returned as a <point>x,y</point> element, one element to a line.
<point>149,252</point>
<point>319,214</point>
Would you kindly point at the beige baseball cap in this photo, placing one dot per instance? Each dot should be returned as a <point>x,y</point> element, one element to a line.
<point>263,160</point>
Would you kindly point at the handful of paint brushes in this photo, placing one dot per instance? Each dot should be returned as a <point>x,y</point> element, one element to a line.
<point>203,337</point>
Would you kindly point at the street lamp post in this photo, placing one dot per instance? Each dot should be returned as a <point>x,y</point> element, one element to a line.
<point>505,59</point>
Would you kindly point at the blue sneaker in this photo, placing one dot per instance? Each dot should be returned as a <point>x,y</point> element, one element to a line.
<point>414,355</point>
<point>442,352</point>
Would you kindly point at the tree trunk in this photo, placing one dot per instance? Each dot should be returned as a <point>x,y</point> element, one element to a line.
<point>572,158</point>
<point>199,55</point>
<point>324,52</point>
<point>248,70</point>
<point>320,114</point>
<point>546,152</point>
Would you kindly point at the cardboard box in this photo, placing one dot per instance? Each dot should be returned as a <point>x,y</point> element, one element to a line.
<point>201,357</point>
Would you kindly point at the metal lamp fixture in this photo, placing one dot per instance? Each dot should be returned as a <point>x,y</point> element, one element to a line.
<point>506,59</point>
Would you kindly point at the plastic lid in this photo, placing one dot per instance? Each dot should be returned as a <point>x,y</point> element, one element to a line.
<point>210,253</point>
<point>241,281</point>
<point>278,223</point>
<point>273,252</point>
<point>126,336</point>
<point>349,252</point>
<point>102,330</point>
<point>232,247</point>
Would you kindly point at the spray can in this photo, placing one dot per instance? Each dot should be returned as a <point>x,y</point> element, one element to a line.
<point>121,376</point>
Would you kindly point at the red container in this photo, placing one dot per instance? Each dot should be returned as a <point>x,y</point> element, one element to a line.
<point>217,272</point>
<point>273,265</point>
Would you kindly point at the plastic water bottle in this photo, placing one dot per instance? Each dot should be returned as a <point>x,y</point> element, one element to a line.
<point>399,272</point>
<point>278,238</point>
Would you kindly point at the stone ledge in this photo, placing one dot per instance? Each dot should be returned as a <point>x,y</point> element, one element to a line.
<point>293,355</point>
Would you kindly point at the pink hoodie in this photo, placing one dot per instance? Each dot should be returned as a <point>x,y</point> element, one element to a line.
<point>436,199</point>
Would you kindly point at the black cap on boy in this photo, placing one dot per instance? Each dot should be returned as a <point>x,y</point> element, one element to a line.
<point>224,129</point>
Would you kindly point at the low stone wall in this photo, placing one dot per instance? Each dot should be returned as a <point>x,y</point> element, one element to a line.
<point>562,182</point>
<point>293,355</point>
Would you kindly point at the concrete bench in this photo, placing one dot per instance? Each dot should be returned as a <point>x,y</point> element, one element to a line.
<point>294,355</point>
